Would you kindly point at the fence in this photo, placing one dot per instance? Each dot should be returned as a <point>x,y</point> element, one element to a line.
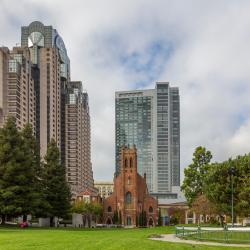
<point>225,235</point>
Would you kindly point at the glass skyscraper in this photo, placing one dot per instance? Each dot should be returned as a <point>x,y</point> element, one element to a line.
<point>150,120</point>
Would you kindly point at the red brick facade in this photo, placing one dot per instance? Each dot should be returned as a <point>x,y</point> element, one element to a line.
<point>130,198</point>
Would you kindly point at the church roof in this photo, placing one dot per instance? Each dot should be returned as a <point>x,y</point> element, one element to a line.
<point>88,192</point>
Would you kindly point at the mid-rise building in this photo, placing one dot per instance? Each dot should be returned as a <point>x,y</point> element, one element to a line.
<point>105,188</point>
<point>150,120</point>
<point>78,156</point>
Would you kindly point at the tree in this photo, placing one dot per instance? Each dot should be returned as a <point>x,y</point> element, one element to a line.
<point>56,189</point>
<point>195,174</point>
<point>31,147</point>
<point>78,207</point>
<point>218,188</point>
<point>97,210</point>
<point>142,221</point>
<point>88,211</point>
<point>241,182</point>
<point>83,208</point>
<point>177,215</point>
<point>218,185</point>
<point>159,218</point>
<point>115,217</point>
<point>202,206</point>
<point>119,217</point>
<point>16,172</point>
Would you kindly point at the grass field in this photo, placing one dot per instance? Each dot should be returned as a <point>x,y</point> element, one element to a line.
<point>96,239</point>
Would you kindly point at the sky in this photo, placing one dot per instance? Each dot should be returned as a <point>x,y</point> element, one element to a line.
<point>202,47</point>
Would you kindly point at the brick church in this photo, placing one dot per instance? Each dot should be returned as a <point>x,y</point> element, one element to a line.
<point>130,204</point>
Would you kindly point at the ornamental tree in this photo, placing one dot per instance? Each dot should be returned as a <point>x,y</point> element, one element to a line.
<point>195,174</point>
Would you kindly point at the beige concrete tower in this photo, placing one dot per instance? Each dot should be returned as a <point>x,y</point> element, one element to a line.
<point>4,59</point>
<point>50,98</point>
<point>17,87</point>
<point>49,56</point>
<point>78,156</point>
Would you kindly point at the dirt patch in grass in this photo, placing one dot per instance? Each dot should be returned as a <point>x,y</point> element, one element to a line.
<point>155,236</point>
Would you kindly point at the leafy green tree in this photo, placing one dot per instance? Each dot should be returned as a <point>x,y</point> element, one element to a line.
<point>97,211</point>
<point>10,142</point>
<point>89,211</point>
<point>218,185</point>
<point>88,215</point>
<point>81,207</point>
<point>217,188</point>
<point>140,222</point>
<point>142,219</point>
<point>115,217</point>
<point>159,218</point>
<point>195,174</point>
<point>78,207</point>
<point>177,215</point>
<point>202,206</point>
<point>56,189</point>
<point>31,147</point>
<point>242,177</point>
<point>119,217</point>
<point>17,172</point>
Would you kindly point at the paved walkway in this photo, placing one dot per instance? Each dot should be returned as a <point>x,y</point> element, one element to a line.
<point>173,238</point>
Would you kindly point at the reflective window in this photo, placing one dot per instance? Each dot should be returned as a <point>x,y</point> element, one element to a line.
<point>36,38</point>
<point>72,99</point>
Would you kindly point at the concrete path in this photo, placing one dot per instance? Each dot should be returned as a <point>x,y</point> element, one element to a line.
<point>173,238</point>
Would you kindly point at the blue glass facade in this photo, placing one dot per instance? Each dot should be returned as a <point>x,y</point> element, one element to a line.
<point>150,119</point>
<point>134,127</point>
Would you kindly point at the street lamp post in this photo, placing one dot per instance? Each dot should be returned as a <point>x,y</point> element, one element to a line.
<point>232,188</point>
<point>232,171</point>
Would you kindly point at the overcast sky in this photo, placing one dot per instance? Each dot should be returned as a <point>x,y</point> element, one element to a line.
<point>202,47</point>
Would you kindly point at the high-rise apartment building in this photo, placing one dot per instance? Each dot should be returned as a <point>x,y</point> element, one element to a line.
<point>78,162</point>
<point>150,119</point>
<point>35,88</point>
<point>4,65</point>
<point>49,55</point>
<point>17,87</point>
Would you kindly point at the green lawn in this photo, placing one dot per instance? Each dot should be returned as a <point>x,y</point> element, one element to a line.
<point>77,239</point>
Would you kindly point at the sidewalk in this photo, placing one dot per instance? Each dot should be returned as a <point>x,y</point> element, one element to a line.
<point>173,238</point>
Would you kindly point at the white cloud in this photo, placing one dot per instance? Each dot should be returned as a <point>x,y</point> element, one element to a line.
<point>238,143</point>
<point>209,62</point>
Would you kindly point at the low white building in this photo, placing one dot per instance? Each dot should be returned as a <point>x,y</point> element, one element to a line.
<point>105,188</point>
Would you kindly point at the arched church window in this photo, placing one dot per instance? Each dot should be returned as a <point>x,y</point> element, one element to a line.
<point>128,198</point>
<point>126,163</point>
<point>131,162</point>
<point>151,209</point>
